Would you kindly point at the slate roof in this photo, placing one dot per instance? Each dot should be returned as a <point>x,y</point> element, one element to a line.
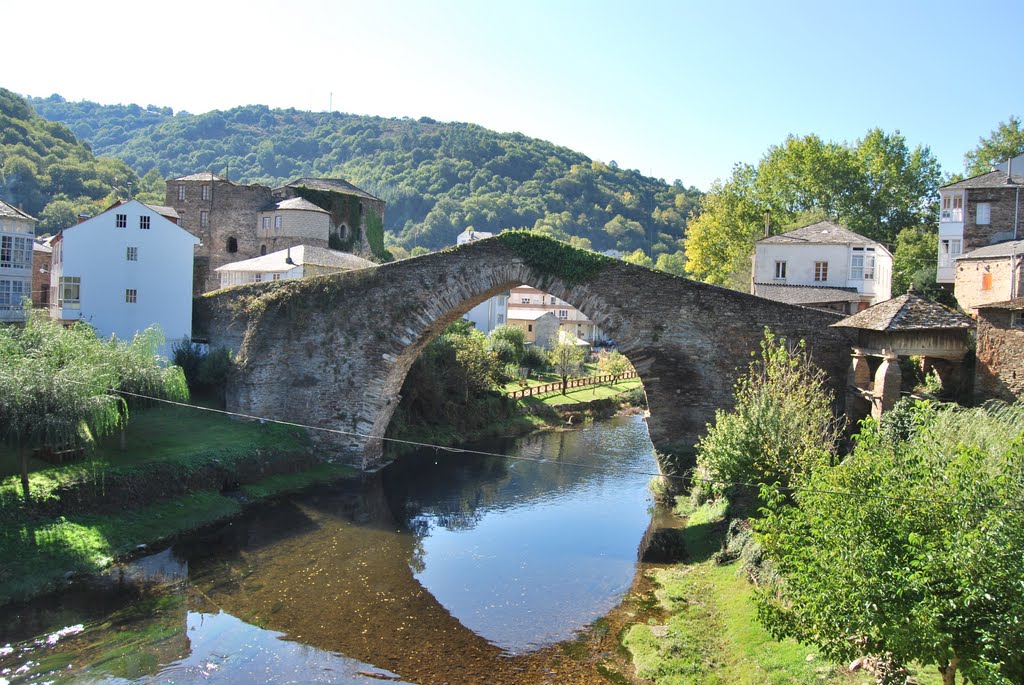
<point>908,312</point>
<point>823,232</point>
<point>1016,304</point>
<point>13,212</point>
<point>1007,249</point>
<point>276,262</point>
<point>527,314</point>
<point>169,212</point>
<point>201,176</point>
<point>41,247</point>
<point>296,203</point>
<point>337,185</point>
<point>993,179</point>
<point>805,294</point>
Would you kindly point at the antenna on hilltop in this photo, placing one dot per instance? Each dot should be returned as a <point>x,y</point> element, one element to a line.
<point>330,102</point>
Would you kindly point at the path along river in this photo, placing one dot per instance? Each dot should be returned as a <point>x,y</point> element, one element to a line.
<point>446,567</point>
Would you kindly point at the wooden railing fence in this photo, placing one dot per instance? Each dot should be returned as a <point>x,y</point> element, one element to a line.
<point>572,383</point>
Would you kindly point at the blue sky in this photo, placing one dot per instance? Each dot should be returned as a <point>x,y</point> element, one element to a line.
<point>675,89</point>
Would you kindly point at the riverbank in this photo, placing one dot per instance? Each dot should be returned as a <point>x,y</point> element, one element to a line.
<point>180,469</point>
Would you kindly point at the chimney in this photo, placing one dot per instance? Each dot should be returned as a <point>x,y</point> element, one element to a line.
<point>767,224</point>
<point>288,257</point>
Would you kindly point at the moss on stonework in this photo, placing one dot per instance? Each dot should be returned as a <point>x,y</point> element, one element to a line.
<point>555,258</point>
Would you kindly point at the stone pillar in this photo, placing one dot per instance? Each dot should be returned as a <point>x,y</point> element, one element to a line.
<point>859,383</point>
<point>888,379</point>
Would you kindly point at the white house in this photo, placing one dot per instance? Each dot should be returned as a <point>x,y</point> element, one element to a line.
<point>292,262</point>
<point>824,266</point>
<point>490,313</point>
<point>124,270</point>
<point>17,236</point>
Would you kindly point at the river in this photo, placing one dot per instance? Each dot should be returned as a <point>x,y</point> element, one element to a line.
<point>446,567</point>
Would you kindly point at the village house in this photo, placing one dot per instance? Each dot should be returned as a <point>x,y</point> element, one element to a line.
<point>492,312</point>
<point>237,222</point>
<point>541,326</point>
<point>292,262</point>
<point>526,300</point>
<point>978,212</point>
<point>989,274</point>
<point>824,266</point>
<point>42,258</point>
<point>124,270</point>
<point>17,235</point>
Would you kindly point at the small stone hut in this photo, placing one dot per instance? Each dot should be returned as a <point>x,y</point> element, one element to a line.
<point>999,373</point>
<point>900,327</point>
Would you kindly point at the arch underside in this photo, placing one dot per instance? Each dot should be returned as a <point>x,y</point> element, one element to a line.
<point>334,352</point>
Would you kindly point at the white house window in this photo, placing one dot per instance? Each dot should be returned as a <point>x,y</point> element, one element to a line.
<point>862,264</point>
<point>15,252</point>
<point>949,249</point>
<point>259,278</point>
<point>780,269</point>
<point>563,313</point>
<point>206,192</point>
<point>133,254</point>
<point>121,220</point>
<point>144,223</point>
<point>204,219</point>
<point>11,293</point>
<point>821,271</point>
<point>952,208</point>
<point>69,292</point>
<point>277,222</point>
<point>526,300</point>
<point>266,222</point>
<point>131,295</point>
<point>277,277</point>
<point>984,214</point>
<point>501,318</point>
<point>181,192</point>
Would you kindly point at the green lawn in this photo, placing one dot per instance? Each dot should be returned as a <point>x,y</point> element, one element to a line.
<point>711,634</point>
<point>582,395</point>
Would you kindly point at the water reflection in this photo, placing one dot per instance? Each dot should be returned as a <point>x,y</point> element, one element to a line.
<point>435,570</point>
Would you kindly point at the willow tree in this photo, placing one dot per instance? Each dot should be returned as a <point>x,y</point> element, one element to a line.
<point>57,384</point>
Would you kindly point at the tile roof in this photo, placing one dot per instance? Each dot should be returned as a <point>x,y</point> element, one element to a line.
<point>1016,304</point>
<point>276,262</point>
<point>296,203</point>
<point>13,212</point>
<point>337,185</point>
<point>202,176</point>
<point>805,294</point>
<point>906,313</point>
<point>1007,249</point>
<point>823,232</point>
<point>993,179</point>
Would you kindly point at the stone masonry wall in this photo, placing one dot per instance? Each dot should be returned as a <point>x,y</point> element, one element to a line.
<point>999,372</point>
<point>334,351</point>
<point>1003,215</point>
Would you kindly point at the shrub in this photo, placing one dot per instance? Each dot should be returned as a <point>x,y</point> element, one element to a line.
<point>782,426</point>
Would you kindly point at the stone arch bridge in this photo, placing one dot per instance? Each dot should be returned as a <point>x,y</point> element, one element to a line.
<point>333,351</point>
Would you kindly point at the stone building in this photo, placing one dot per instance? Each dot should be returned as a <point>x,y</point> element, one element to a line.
<point>300,261</point>
<point>999,372</point>
<point>525,301</point>
<point>989,274</point>
<point>236,221</point>
<point>977,212</point>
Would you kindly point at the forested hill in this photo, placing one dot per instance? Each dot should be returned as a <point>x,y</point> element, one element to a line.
<point>438,178</point>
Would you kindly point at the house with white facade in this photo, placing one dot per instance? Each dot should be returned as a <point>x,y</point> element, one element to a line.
<point>977,212</point>
<point>292,262</point>
<point>17,236</point>
<point>125,270</point>
<point>575,323</point>
<point>823,265</point>
<point>492,312</point>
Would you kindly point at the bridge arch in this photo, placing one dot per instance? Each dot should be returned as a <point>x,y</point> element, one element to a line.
<point>334,351</point>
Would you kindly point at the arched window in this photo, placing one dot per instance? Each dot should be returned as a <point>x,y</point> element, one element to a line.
<point>232,245</point>
<point>263,250</point>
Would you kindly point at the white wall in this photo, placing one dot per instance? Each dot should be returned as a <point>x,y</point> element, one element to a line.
<point>800,261</point>
<point>96,251</point>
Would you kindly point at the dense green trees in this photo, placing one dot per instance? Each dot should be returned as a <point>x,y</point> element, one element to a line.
<point>911,549</point>
<point>55,382</point>
<point>1005,142</point>
<point>876,186</point>
<point>438,178</point>
<point>47,172</point>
